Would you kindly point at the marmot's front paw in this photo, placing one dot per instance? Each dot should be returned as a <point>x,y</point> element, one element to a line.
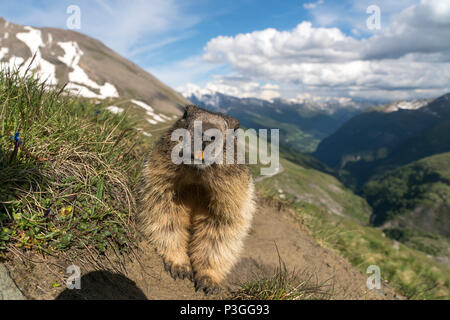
<point>206,284</point>
<point>179,271</point>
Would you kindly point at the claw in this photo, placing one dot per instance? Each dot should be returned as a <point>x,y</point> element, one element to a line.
<point>208,286</point>
<point>179,271</point>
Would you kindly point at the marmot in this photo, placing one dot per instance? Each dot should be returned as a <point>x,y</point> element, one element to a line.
<point>196,215</point>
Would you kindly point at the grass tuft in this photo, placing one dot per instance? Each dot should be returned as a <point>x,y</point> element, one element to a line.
<point>283,284</point>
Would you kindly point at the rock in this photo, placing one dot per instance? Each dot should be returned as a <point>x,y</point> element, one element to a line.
<point>8,289</point>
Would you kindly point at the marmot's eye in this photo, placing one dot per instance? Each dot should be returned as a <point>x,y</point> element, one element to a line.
<point>210,138</point>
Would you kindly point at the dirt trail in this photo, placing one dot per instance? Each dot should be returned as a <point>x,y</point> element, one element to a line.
<point>142,275</point>
<point>279,170</point>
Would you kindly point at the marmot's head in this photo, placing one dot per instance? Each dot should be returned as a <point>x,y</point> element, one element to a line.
<point>208,135</point>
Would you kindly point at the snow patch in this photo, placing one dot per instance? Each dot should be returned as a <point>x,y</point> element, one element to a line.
<point>406,105</point>
<point>13,64</point>
<point>145,133</point>
<point>44,69</point>
<point>115,110</point>
<point>158,118</point>
<point>80,82</point>
<point>143,105</point>
<point>155,118</point>
<point>3,52</point>
<point>281,194</point>
<point>165,117</point>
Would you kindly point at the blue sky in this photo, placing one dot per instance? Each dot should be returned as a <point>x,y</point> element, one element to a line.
<point>309,49</point>
<point>202,20</point>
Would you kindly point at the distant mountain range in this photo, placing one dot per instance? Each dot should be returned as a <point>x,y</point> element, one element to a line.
<point>381,139</point>
<point>302,124</point>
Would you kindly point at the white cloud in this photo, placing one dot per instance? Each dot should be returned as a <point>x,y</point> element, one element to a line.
<point>424,28</point>
<point>409,58</point>
<point>312,5</point>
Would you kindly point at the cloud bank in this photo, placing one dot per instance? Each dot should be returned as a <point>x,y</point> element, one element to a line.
<point>407,59</point>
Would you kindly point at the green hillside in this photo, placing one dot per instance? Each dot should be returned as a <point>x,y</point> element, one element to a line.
<point>419,191</point>
<point>413,204</point>
<point>300,182</point>
<point>371,136</point>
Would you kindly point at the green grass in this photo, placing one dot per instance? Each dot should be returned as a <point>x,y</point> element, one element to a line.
<point>429,243</point>
<point>70,184</point>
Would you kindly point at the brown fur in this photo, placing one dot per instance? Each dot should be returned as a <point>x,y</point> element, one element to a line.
<point>196,219</point>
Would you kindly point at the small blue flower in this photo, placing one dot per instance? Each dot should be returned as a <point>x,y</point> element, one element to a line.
<point>48,211</point>
<point>16,138</point>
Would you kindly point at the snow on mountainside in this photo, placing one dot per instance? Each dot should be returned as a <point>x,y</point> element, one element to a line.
<point>217,100</point>
<point>79,80</point>
<point>405,105</point>
<point>89,69</point>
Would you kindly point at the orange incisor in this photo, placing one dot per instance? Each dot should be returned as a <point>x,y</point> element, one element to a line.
<point>200,155</point>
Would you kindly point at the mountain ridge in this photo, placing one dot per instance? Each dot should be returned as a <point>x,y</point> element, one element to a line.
<point>388,139</point>
<point>90,68</point>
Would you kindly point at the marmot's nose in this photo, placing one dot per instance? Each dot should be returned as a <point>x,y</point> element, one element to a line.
<point>204,144</point>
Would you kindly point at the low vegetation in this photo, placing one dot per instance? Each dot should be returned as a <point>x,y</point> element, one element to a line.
<point>428,243</point>
<point>67,170</point>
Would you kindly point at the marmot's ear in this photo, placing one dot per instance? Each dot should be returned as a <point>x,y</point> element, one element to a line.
<point>190,109</point>
<point>232,123</point>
